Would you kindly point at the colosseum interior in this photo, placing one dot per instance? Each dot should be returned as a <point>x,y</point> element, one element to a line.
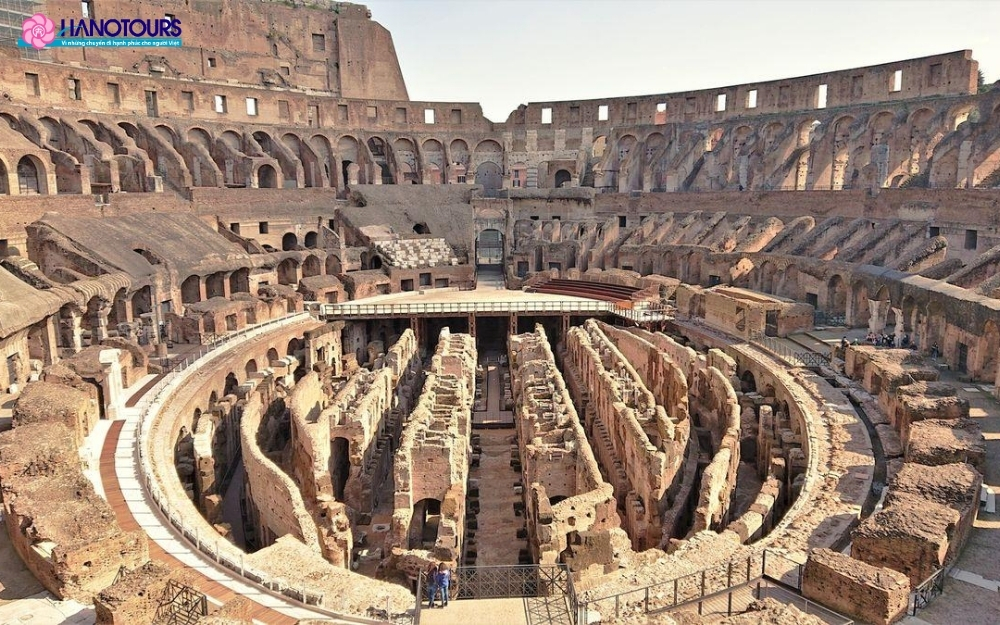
<point>275,338</point>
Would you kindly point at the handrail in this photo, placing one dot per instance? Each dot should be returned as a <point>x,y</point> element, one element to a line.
<point>209,545</point>
<point>637,313</point>
<point>743,567</point>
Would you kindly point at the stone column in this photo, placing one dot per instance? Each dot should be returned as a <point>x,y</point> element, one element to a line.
<point>50,339</point>
<point>113,396</point>
<point>73,336</point>
<point>101,323</point>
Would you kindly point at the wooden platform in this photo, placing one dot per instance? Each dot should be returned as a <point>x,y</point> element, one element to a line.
<point>493,416</point>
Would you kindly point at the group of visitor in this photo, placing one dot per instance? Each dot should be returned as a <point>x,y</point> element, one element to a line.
<point>438,577</point>
<point>888,340</point>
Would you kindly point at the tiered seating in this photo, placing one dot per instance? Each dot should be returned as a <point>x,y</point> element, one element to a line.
<point>584,288</point>
<point>415,253</point>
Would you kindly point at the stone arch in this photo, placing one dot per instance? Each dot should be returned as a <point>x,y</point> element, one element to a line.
<point>288,271</point>
<point>347,152</point>
<point>215,285</point>
<point>836,295</point>
<point>433,153</point>
<point>488,175</point>
<point>910,311</point>
<point>272,355</point>
<point>294,346</point>
<point>768,271</point>
<point>789,283</point>
<point>231,384</point>
<point>311,240</point>
<point>233,139</point>
<point>4,175</point>
<point>340,465</point>
<point>311,266</point>
<point>333,265</point>
<point>239,281</point>
<point>748,382</point>
<point>199,136</point>
<point>267,177</point>
<point>987,352</point>
<point>142,302</point>
<point>320,146</point>
<point>31,176</point>
<point>191,290</point>
<point>289,242</point>
<point>599,146</point>
<point>562,177</point>
<point>860,309</point>
<point>250,368</point>
<point>488,146</point>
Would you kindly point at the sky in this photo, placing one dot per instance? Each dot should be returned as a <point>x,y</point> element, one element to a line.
<point>502,53</point>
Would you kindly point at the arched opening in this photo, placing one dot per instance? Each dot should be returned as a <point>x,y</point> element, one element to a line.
<point>488,175</point>
<point>28,177</point>
<point>421,228</point>
<point>836,296</point>
<point>288,271</point>
<point>376,262</point>
<point>4,187</point>
<point>311,267</point>
<point>748,383</point>
<point>344,165</point>
<point>272,355</point>
<point>333,266</point>
<point>563,177</point>
<point>340,465</point>
<point>861,312</point>
<point>424,524</point>
<point>215,285</point>
<point>250,368</point>
<point>289,242</point>
<point>293,347</point>
<point>231,384</point>
<point>239,281</point>
<point>142,302</point>
<point>119,310</point>
<point>267,177</point>
<point>311,239</point>
<point>909,308</point>
<point>489,248</point>
<point>766,277</point>
<point>191,290</point>
<point>989,346</point>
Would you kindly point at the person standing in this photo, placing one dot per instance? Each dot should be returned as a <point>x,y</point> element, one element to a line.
<point>430,577</point>
<point>443,582</point>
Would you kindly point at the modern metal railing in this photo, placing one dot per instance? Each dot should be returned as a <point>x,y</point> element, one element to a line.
<point>639,313</point>
<point>209,543</point>
<point>700,586</point>
<point>927,591</point>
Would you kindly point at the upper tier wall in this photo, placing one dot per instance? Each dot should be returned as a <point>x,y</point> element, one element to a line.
<point>951,74</point>
<point>333,47</point>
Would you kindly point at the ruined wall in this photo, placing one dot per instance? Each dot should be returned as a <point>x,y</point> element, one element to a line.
<point>276,498</point>
<point>432,463</point>
<point>64,532</point>
<point>868,593</point>
<point>582,527</point>
<point>630,430</point>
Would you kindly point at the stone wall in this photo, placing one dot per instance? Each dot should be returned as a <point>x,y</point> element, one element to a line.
<point>278,503</point>
<point>868,593</point>
<point>64,532</point>
<point>581,527</point>
<point>629,429</point>
<point>432,463</point>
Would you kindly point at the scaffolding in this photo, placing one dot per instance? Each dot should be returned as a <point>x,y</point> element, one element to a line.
<point>12,16</point>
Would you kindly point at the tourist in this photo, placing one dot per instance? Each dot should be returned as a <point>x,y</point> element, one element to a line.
<point>430,576</point>
<point>443,581</point>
